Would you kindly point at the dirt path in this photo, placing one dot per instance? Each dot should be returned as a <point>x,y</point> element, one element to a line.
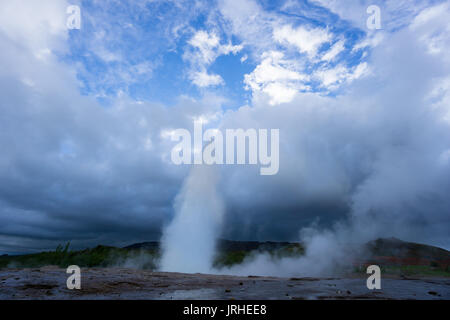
<point>114,283</point>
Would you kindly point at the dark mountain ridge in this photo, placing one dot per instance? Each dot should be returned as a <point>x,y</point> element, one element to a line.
<point>225,245</point>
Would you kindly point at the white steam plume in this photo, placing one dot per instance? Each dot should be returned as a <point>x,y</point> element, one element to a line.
<point>189,242</point>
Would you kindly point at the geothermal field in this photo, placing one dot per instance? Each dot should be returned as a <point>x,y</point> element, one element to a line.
<point>241,270</point>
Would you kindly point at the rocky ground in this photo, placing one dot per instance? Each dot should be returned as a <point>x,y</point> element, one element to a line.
<point>119,283</point>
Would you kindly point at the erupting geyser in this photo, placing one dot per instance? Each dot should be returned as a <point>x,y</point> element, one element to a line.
<point>189,241</point>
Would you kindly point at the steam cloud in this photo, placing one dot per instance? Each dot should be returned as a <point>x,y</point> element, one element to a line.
<point>189,242</point>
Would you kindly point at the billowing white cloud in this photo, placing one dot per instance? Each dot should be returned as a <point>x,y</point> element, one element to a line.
<point>331,78</point>
<point>307,56</point>
<point>276,77</point>
<point>203,79</point>
<point>306,40</point>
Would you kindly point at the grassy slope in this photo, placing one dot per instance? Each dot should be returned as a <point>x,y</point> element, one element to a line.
<point>100,256</point>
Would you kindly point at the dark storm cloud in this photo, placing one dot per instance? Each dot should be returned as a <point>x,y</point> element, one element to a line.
<point>72,169</point>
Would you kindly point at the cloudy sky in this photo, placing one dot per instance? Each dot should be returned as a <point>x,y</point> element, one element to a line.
<point>86,116</point>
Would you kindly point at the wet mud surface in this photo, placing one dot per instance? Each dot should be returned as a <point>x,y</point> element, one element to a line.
<point>115,283</point>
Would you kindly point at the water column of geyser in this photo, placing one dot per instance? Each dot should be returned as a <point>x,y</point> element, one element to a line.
<point>189,242</point>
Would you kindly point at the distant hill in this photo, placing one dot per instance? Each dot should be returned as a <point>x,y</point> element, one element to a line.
<point>225,245</point>
<point>395,252</point>
<point>149,245</point>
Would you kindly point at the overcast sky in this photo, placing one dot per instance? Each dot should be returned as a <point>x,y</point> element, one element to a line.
<point>364,116</point>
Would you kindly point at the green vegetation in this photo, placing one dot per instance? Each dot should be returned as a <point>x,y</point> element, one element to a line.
<point>100,256</point>
<point>228,259</point>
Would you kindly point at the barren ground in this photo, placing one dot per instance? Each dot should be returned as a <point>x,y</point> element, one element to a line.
<point>115,283</point>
